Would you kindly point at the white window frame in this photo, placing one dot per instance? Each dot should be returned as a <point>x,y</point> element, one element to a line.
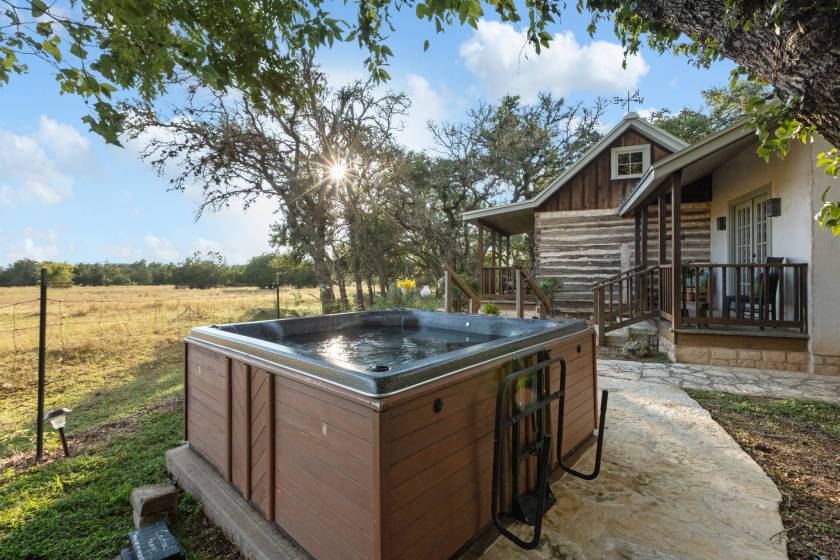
<point>644,148</point>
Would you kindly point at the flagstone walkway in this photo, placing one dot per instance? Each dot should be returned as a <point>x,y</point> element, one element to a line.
<point>740,381</point>
<point>673,486</point>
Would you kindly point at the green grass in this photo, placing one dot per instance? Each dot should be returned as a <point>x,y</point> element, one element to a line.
<point>807,414</point>
<point>79,507</point>
<point>797,444</point>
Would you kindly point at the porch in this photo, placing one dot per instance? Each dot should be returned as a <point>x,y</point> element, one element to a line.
<point>505,277</point>
<point>757,306</point>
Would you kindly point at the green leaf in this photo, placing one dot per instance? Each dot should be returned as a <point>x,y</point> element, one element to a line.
<point>39,8</point>
<point>51,48</point>
<point>426,45</point>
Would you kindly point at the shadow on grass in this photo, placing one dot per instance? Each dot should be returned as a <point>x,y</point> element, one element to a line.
<point>137,386</point>
<point>79,507</point>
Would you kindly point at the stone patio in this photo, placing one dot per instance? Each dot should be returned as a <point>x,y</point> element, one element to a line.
<point>673,484</point>
<point>739,381</point>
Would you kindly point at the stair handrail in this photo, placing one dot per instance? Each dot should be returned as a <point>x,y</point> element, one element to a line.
<point>635,271</point>
<point>544,299</point>
<point>464,287</point>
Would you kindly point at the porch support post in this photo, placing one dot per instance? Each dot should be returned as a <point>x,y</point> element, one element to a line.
<point>479,257</point>
<point>676,250</point>
<point>644,238</point>
<point>637,219</point>
<point>663,234</point>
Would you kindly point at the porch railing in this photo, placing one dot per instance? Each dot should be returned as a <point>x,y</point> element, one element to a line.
<point>759,295</point>
<point>771,295</point>
<point>498,281</point>
<point>626,298</point>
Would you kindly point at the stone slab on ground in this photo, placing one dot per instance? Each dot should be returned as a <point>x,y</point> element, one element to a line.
<point>673,485</point>
<point>254,536</point>
<point>154,498</point>
<point>735,380</point>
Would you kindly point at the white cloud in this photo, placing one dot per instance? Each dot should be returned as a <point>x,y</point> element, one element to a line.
<point>64,141</point>
<point>36,245</point>
<point>35,167</point>
<point>426,104</point>
<point>206,245</point>
<point>502,59</point>
<point>646,113</point>
<point>161,249</point>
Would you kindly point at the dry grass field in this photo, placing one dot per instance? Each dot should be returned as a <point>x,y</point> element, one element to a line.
<point>115,358</point>
<point>111,350</point>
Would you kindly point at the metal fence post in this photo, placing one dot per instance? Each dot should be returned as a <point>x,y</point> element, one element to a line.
<point>42,354</point>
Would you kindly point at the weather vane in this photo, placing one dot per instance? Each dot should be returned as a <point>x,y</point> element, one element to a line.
<point>632,97</point>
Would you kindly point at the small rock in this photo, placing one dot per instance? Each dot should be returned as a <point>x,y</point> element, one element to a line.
<point>155,498</point>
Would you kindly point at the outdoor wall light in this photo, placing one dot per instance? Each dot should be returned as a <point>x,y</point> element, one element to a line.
<point>774,207</point>
<point>57,419</point>
<point>721,223</point>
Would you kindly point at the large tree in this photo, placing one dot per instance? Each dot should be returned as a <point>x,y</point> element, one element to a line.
<point>724,106</point>
<point>97,46</point>
<point>530,144</point>
<point>236,151</point>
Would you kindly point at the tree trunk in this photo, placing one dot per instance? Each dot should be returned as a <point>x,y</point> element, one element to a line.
<point>370,289</point>
<point>357,279</point>
<point>324,278</point>
<point>342,286</point>
<point>801,59</point>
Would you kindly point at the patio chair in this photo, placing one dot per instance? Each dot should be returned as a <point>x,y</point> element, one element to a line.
<point>753,307</point>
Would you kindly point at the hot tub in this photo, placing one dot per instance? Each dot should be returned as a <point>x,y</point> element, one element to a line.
<point>370,435</point>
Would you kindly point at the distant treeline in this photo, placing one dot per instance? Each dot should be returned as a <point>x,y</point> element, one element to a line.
<point>197,271</point>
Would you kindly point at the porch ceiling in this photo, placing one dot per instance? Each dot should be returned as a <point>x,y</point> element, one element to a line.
<point>504,219</point>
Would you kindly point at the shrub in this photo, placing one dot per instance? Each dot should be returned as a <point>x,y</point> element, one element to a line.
<point>490,309</point>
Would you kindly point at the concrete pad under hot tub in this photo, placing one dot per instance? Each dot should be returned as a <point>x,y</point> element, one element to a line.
<point>358,464</point>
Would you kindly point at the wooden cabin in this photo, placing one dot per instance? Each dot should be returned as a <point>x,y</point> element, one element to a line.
<point>752,259</point>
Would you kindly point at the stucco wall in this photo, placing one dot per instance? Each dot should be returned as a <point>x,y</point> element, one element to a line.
<point>825,272</point>
<point>794,234</point>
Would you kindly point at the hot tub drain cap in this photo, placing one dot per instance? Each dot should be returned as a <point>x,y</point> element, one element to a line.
<point>379,368</point>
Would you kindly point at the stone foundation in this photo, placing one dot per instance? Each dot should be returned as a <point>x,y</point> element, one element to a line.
<point>822,364</point>
<point>761,359</point>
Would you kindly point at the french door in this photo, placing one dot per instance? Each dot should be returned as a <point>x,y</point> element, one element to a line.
<point>751,237</point>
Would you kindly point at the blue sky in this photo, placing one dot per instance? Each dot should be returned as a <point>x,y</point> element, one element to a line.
<point>65,195</point>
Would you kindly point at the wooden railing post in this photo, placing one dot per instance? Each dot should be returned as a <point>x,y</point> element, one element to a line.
<point>519,310</point>
<point>599,315</point>
<point>676,248</point>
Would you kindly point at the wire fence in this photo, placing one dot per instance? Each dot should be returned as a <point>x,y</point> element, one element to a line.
<point>82,323</point>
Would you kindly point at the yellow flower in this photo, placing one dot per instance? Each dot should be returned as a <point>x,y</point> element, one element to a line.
<point>406,284</point>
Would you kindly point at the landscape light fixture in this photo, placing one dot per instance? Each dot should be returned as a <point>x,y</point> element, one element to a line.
<point>57,419</point>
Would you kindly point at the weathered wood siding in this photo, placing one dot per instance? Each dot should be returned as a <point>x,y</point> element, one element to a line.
<point>585,246</point>
<point>591,188</point>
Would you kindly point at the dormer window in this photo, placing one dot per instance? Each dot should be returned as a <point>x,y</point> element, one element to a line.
<point>630,162</point>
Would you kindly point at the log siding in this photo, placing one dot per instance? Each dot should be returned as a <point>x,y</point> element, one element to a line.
<point>583,247</point>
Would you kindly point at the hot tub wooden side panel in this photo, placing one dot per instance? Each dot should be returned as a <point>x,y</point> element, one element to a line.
<point>437,465</point>
<point>303,457</point>
<point>206,414</point>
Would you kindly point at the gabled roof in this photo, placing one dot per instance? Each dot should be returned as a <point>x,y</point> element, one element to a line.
<point>700,158</point>
<point>632,120</point>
